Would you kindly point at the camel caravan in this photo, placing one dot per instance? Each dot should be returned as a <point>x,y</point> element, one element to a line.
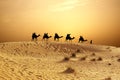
<point>57,37</point>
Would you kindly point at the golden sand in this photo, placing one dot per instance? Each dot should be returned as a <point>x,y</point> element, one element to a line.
<point>46,61</point>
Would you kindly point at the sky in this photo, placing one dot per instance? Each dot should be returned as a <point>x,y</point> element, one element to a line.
<point>97,20</point>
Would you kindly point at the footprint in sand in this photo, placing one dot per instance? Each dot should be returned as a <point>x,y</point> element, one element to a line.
<point>20,73</point>
<point>38,76</point>
<point>109,78</point>
<point>12,69</point>
<point>30,73</point>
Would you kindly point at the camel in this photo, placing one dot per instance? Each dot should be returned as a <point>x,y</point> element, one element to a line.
<point>45,36</point>
<point>56,37</point>
<point>81,39</point>
<point>91,41</point>
<point>69,38</point>
<point>34,36</point>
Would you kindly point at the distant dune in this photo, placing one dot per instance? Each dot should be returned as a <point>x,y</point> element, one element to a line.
<point>58,61</point>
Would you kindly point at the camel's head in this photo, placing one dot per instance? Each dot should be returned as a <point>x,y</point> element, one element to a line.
<point>73,37</point>
<point>38,34</point>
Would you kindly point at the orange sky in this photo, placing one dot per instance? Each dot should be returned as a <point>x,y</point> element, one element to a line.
<point>98,20</point>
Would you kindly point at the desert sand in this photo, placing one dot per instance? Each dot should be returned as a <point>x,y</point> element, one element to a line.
<point>45,60</point>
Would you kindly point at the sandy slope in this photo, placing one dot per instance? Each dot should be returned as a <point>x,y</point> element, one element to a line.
<point>44,61</point>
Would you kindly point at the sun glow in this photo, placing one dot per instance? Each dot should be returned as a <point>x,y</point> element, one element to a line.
<point>95,19</point>
<point>68,5</point>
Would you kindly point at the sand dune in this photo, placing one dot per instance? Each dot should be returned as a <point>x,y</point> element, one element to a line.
<point>46,61</point>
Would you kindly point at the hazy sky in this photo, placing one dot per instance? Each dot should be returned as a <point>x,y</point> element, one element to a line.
<point>98,20</point>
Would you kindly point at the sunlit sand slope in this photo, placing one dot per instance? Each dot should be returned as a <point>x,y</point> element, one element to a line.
<point>58,61</point>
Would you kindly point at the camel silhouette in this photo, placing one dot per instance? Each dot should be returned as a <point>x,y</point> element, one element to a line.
<point>69,38</point>
<point>56,37</point>
<point>34,36</point>
<point>91,41</point>
<point>45,36</point>
<point>81,39</point>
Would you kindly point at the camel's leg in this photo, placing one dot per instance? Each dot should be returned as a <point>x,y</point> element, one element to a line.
<point>54,39</point>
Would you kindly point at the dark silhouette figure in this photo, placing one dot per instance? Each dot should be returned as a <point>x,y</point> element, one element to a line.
<point>91,41</point>
<point>56,37</point>
<point>45,36</point>
<point>69,38</point>
<point>34,36</point>
<point>81,39</point>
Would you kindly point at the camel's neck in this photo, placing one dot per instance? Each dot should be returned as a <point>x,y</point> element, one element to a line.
<point>38,35</point>
<point>49,36</point>
<point>73,38</point>
<point>60,36</point>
